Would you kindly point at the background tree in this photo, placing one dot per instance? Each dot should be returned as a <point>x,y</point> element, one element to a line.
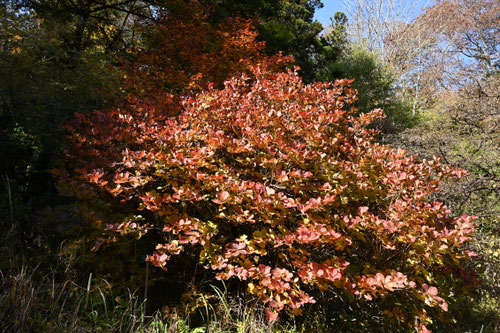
<point>469,45</point>
<point>42,84</point>
<point>183,49</point>
<point>463,129</point>
<point>108,24</point>
<point>286,26</point>
<point>373,21</point>
<point>375,80</point>
<point>436,51</point>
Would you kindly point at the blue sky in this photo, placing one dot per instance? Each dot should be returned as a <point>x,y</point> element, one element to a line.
<point>331,6</point>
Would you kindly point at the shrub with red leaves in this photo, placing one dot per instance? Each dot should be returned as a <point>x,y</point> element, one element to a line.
<point>280,185</point>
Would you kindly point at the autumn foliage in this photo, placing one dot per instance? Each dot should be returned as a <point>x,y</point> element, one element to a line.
<point>281,186</point>
<point>184,51</point>
<point>264,180</point>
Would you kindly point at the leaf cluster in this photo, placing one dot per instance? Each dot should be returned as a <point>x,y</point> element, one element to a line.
<point>281,186</point>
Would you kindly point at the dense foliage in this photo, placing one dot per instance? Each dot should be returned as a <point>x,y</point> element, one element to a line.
<point>184,51</point>
<point>375,83</point>
<point>280,185</point>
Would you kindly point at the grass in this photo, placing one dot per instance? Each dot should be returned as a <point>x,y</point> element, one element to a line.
<point>33,303</point>
<point>30,302</point>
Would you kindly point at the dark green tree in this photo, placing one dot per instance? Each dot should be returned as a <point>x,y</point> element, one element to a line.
<point>334,41</point>
<point>89,23</point>
<point>374,80</point>
<point>43,82</point>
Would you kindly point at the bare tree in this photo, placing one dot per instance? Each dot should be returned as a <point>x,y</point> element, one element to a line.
<point>450,44</point>
<point>453,43</point>
<point>387,28</point>
<point>373,21</point>
<point>416,58</point>
<point>476,34</point>
<point>468,32</point>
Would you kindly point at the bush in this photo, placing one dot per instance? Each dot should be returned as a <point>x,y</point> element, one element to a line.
<point>278,185</point>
